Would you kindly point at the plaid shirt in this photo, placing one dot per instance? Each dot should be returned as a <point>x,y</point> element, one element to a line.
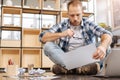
<point>89,31</point>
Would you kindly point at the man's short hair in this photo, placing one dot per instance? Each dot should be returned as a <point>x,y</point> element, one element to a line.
<point>74,3</point>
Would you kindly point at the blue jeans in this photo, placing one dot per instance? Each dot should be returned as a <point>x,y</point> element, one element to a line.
<point>53,51</point>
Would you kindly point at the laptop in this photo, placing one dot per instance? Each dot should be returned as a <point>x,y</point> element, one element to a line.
<point>111,65</point>
<point>78,57</point>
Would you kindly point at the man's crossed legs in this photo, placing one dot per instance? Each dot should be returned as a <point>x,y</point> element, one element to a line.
<point>53,51</point>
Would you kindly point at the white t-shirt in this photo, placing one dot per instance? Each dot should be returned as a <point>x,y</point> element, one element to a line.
<point>77,39</point>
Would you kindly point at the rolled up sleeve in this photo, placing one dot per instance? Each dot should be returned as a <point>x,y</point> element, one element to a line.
<point>40,36</point>
<point>55,28</point>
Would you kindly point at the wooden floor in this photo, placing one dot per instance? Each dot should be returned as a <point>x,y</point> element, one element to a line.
<point>51,76</point>
<point>78,77</point>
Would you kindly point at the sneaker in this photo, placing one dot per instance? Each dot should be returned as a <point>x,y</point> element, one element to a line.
<point>90,69</point>
<point>59,70</point>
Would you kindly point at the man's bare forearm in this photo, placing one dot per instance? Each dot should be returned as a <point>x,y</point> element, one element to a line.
<point>106,40</point>
<point>54,36</point>
<point>51,36</point>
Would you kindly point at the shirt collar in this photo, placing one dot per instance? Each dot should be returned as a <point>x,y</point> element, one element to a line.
<point>82,23</point>
<point>68,23</point>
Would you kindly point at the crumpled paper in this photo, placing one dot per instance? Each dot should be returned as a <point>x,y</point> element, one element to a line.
<point>21,71</point>
<point>38,71</point>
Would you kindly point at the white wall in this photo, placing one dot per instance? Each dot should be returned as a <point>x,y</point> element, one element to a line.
<point>103,12</point>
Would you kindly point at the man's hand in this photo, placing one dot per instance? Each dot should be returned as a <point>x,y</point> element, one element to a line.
<point>100,53</point>
<point>68,32</point>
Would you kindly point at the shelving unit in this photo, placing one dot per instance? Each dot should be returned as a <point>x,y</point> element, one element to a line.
<point>8,39</point>
<point>9,53</point>
<point>31,56</point>
<point>20,26</point>
<point>86,14</point>
<point>11,11</point>
<point>31,38</point>
<point>10,43</point>
<point>9,25</point>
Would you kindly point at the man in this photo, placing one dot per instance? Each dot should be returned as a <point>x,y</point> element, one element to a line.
<point>73,33</point>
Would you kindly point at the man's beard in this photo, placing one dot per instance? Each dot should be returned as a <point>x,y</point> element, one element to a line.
<point>75,23</point>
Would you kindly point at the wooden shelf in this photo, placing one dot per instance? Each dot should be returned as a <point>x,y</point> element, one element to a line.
<point>12,28</point>
<point>9,53</point>
<point>10,43</point>
<point>31,38</point>
<point>64,14</point>
<point>11,10</point>
<point>31,31</point>
<point>12,6</point>
<point>86,14</point>
<point>43,28</point>
<point>31,56</point>
<point>50,12</point>
<point>29,10</point>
